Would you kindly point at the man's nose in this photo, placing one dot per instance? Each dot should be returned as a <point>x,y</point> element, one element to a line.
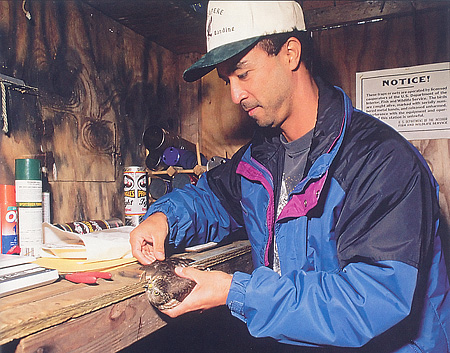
<point>238,93</point>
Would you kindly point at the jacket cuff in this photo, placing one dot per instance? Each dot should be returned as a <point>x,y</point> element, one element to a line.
<point>165,206</point>
<point>236,295</point>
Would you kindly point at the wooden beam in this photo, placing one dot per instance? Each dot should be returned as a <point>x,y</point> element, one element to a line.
<point>361,11</point>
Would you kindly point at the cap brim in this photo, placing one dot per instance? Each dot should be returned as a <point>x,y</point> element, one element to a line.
<point>216,56</point>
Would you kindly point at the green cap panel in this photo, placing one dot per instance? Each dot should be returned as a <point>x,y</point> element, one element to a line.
<point>28,169</point>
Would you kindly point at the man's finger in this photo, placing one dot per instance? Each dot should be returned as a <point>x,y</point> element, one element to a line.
<point>187,272</point>
<point>159,255</point>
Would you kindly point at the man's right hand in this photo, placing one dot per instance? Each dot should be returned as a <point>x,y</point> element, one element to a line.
<point>148,238</point>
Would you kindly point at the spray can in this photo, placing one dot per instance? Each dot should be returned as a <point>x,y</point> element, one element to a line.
<point>135,189</point>
<point>29,205</point>
<point>46,198</point>
<point>8,220</point>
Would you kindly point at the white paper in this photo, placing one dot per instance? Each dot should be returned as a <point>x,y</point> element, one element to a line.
<point>106,244</point>
<point>413,100</point>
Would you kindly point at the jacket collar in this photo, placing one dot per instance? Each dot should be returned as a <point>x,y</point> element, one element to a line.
<point>329,122</point>
<point>266,144</point>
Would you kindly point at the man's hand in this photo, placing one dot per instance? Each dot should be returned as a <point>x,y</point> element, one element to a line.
<point>147,239</point>
<point>211,290</point>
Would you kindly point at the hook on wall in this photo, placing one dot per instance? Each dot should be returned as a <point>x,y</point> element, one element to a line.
<point>25,11</point>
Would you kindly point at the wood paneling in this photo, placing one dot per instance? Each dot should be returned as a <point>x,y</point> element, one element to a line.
<point>224,125</point>
<point>173,24</point>
<point>320,14</point>
<point>182,29</point>
<point>100,84</point>
<point>189,102</point>
<point>417,39</point>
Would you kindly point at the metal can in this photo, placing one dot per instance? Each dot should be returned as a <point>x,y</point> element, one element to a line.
<point>28,183</point>
<point>135,189</point>
<point>8,221</point>
<point>158,187</point>
<point>85,227</point>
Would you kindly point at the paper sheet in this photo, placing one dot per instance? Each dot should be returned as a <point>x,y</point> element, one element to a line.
<point>103,245</point>
<point>75,265</point>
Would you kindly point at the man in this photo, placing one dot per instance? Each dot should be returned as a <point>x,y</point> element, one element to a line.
<point>341,212</point>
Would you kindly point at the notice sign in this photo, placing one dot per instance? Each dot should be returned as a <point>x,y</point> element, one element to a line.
<point>413,100</point>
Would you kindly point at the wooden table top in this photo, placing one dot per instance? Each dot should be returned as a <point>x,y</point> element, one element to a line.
<point>32,311</point>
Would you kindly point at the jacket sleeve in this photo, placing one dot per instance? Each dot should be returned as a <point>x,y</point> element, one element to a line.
<point>195,215</point>
<point>345,309</point>
<point>209,211</point>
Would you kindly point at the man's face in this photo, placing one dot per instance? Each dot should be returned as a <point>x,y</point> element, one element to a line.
<point>260,84</point>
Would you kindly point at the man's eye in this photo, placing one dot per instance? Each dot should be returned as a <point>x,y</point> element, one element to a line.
<point>243,75</point>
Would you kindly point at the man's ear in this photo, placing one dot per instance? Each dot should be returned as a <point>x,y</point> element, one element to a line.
<point>294,52</point>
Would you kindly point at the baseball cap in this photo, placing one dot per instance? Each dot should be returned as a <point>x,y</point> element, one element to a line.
<point>233,26</point>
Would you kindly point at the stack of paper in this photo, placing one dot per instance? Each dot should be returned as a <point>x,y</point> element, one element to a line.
<point>17,274</point>
<point>102,245</point>
<point>73,252</point>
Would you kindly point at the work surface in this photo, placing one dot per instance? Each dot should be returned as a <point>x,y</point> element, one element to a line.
<point>107,317</point>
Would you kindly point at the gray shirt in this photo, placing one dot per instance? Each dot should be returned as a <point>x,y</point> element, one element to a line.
<point>295,157</point>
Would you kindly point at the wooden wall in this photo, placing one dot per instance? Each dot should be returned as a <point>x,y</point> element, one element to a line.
<point>100,84</point>
<point>420,38</point>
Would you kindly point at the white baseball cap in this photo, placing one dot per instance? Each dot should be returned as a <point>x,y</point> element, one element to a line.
<point>233,26</point>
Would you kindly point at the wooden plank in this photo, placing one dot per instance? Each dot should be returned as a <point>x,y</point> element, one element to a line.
<point>107,330</point>
<point>61,304</point>
<point>73,201</point>
<point>180,31</point>
<point>412,40</point>
<point>189,102</point>
<point>360,11</point>
<point>36,310</point>
<point>219,255</point>
<point>118,326</point>
<point>100,84</point>
<point>225,127</point>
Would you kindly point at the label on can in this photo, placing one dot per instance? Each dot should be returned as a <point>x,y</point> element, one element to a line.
<point>85,227</point>
<point>135,189</point>
<point>8,228</point>
<point>29,206</point>
<point>30,231</point>
<point>28,191</point>
<point>133,221</point>
<point>46,211</point>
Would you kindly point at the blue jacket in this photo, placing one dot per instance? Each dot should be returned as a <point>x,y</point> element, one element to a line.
<point>361,261</point>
